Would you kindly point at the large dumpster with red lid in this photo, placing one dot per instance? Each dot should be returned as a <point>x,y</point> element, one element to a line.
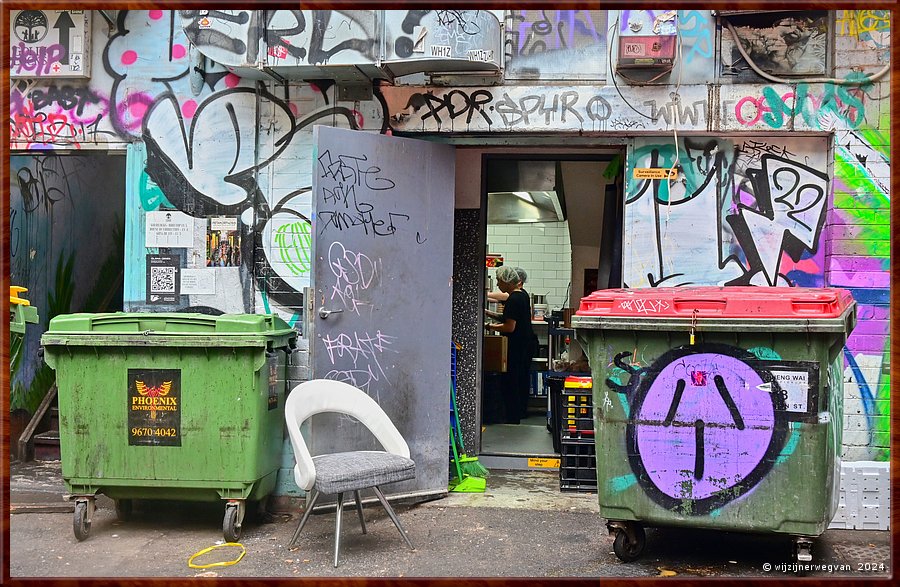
<point>717,407</point>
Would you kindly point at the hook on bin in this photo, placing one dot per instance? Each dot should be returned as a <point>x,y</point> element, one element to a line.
<point>693,325</point>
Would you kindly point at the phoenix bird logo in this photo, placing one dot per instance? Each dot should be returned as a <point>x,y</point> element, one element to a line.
<point>160,391</point>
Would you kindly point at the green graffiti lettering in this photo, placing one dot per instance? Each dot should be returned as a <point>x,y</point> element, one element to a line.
<point>294,241</point>
<point>777,108</point>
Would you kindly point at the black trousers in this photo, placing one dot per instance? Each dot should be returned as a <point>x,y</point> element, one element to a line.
<point>517,384</point>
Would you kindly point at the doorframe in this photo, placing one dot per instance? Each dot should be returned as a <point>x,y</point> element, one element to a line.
<point>550,150</point>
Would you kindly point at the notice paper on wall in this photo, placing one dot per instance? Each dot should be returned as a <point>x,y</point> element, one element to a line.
<point>223,242</point>
<point>169,229</point>
<point>198,281</point>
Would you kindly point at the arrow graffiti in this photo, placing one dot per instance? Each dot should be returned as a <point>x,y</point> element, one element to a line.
<point>64,24</point>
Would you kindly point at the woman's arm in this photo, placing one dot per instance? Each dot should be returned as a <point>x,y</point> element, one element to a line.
<point>507,326</point>
<point>498,296</point>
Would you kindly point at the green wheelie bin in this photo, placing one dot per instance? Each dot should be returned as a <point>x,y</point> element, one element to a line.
<point>169,406</point>
<point>718,408</point>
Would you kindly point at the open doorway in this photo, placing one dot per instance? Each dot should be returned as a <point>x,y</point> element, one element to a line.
<point>560,220</point>
<point>66,237</point>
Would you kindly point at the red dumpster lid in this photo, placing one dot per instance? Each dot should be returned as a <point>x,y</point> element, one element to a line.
<point>718,302</point>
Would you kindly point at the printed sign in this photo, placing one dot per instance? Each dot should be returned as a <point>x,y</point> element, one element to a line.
<point>169,229</point>
<point>198,281</point>
<point>50,44</point>
<point>154,407</point>
<point>223,223</point>
<point>655,173</point>
<point>798,384</point>
<point>163,279</point>
<point>543,463</point>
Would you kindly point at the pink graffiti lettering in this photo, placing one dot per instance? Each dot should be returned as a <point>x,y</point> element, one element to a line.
<point>39,60</point>
<point>759,106</point>
<point>40,128</point>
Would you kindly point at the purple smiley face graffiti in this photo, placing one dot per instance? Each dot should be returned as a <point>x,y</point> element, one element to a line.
<point>706,427</point>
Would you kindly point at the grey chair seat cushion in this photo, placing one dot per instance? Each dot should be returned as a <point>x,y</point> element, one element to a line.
<point>349,471</point>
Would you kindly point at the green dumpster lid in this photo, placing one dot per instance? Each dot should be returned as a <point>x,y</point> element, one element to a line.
<point>169,323</point>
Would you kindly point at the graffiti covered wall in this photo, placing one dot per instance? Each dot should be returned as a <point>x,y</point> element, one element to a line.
<point>793,189</point>
<point>225,147</point>
<point>770,199</point>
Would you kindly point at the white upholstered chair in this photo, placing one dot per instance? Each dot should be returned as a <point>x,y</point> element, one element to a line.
<point>337,473</point>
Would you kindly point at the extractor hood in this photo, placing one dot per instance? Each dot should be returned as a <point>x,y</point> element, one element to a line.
<point>524,191</point>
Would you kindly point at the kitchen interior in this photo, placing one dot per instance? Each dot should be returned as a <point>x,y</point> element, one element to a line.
<point>561,221</point>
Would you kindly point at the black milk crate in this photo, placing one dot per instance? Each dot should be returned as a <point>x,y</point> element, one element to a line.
<point>576,414</point>
<point>577,466</point>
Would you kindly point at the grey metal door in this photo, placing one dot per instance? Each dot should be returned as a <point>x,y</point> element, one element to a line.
<point>382,283</point>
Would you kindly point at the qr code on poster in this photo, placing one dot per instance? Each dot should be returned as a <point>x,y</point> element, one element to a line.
<point>162,279</point>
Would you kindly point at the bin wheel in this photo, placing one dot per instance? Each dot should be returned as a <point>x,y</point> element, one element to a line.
<point>80,523</point>
<point>124,508</point>
<point>630,551</point>
<point>230,529</point>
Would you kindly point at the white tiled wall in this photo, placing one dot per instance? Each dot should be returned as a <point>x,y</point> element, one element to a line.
<point>542,249</point>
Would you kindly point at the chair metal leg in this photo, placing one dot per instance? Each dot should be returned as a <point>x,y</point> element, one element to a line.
<point>337,528</point>
<point>309,509</point>
<point>392,515</point>
<point>362,520</point>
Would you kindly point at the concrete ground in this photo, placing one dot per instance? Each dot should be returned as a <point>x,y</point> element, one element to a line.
<point>522,526</point>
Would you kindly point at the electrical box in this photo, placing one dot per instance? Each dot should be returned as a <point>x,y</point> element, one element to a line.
<point>649,52</point>
<point>647,39</point>
<point>50,44</point>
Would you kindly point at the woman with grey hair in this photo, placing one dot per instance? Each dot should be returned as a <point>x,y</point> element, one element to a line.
<point>515,324</point>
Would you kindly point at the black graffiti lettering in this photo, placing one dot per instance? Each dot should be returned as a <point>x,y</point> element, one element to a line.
<point>754,149</point>
<point>676,401</point>
<point>94,129</point>
<point>348,168</point>
<point>339,195</point>
<point>729,402</point>
<point>470,105</point>
<point>13,233</point>
<point>208,37</point>
<point>67,97</point>
<point>321,31</point>
<point>349,172</point>
<point>700,451</point>
<point>478,99</point>
<point>458,17</point>
<point>362,215</point>
<point>39,188</point>
<point>277,37</point>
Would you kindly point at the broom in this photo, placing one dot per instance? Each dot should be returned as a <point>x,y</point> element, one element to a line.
<point>469,466</point>
<point>463,483</point>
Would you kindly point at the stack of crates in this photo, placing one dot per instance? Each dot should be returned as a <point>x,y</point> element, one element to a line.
<point>577,464</point>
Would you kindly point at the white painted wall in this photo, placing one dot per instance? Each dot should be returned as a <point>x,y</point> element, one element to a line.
<point>542,249</point>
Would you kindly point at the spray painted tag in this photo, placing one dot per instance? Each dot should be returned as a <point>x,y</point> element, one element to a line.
<point>154,407</point>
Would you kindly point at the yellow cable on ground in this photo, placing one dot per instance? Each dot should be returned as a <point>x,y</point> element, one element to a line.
<point>219,564</point>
